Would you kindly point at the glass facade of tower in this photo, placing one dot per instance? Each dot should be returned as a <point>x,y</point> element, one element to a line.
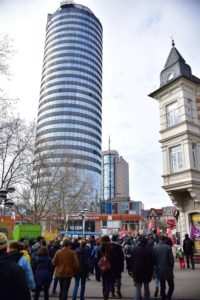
<point>109,176</point>
<point>69,116</point>
<point>108,180</point>
<point>115,183</point>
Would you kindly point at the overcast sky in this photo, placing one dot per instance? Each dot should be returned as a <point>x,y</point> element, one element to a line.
<point>136,45</point>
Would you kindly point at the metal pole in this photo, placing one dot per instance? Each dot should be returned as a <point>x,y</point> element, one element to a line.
<point>83,225</point>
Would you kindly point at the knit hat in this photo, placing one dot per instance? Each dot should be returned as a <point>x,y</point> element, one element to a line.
<point>3,240</point>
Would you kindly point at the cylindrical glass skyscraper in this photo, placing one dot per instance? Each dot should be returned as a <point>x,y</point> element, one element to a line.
<point>69,116</point>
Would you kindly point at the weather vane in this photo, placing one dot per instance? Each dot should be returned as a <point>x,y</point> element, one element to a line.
<point>173,43</point>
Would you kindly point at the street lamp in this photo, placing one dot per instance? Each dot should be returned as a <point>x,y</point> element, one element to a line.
<point>82,214</point>
<point>4,201</point>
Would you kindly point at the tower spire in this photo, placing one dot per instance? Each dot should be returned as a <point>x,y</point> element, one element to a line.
<point>109,143</point>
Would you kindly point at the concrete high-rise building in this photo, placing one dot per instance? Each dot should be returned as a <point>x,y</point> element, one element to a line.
<point>179,102</point>
<point>69,118</point>
<point>115,182</point>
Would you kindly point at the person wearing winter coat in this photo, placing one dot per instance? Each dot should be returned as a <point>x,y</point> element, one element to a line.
<point>188,248</point>
<point>66,266</point>
<point>15,249</point>
<point>83,253</point>
<point>96,256</point>
<point>13,283</point>
<point>164,262</point>
<point>142,267</point>
<point>106,266</point>
<point>53,247</point>
<point>43,273</point>
<point>118,265</point>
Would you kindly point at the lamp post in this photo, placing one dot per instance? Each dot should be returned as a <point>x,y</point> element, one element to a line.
<point>83,212</point>
<point>4,201</point>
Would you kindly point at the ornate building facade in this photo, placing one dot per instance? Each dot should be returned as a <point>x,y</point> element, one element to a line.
<point>179,104</point>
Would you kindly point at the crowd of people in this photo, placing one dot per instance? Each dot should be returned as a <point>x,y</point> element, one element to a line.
<point>29,267</point>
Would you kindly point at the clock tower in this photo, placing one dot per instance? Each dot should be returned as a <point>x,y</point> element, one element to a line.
<point>179,103</point>
<point>175,66</point>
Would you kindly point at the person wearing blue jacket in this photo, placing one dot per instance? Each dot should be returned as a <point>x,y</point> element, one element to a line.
<point>15,249</point>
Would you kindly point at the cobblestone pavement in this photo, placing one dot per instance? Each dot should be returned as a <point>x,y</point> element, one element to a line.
<point>187,287</point>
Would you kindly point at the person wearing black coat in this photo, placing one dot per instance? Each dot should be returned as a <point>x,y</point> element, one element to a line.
<point>43,273</point>
<point>164,262</point>
<point>53,247</point>
<point>13,283</point>
<point>83,253</point>
<point>142,267</point>
<point>106,265</point>
<point>188,248</point>
<point>117,261</point>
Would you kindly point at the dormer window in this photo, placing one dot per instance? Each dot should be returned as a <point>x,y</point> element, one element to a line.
<point>172,114</point>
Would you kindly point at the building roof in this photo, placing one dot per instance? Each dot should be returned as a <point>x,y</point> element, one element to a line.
<point>174,57</point>
<point>110,152</point>
<point>72,4</point>
<point>175,68</point>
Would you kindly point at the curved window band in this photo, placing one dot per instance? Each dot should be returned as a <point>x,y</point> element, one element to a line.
<point>70,98</point>
<point>73,165</point>
<point>73,68</point>
<point>76,30</point>
<point>71,147</point>
<point>74,16</point>
<point>76,36</point>
<point>69,113</point>
<point>69,138</point>
<point>74,48</point>
<point>82,129</point>
<point>71,76</point>
<point>70,91</point>
<point>68,155</point>
<point>69,129</point>
<point>67,82</point>
<point>74,122</point>
<point>73,130</point>
<point>75,61</point>
<point>73,64</point>
<point>82,16</point>
<point>75,42</point>
<point>73,22</point>
<point>63,105</point>
<point>75,56</point>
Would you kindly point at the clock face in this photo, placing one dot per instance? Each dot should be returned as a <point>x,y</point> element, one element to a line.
<point>170,76</point>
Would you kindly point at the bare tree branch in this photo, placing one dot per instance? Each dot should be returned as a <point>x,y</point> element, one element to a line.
<point>6,51</point>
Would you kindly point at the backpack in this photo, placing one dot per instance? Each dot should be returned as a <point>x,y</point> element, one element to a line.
<point>104,264</point>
